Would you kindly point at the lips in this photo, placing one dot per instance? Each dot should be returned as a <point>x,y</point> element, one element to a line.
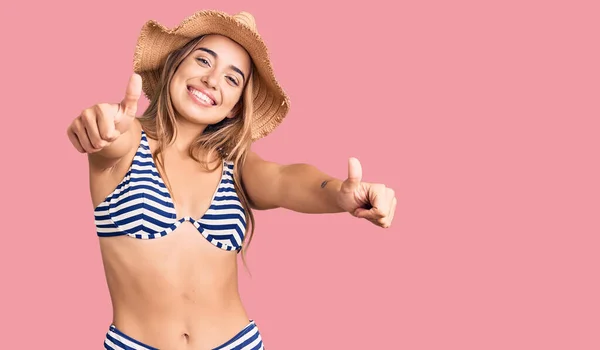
<point>202,95</point>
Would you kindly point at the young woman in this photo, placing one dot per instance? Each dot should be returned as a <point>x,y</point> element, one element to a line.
<point>173,190</point>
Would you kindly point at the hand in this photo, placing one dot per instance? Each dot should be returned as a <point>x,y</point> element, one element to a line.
<point>374,202</point>
<point>100,125</point>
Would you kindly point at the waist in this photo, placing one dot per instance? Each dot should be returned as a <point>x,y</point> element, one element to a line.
<point>188,305</point>
<point>159,290</point>
<point>178,289</point>
<point>176,317</point>
<point>199,331</point>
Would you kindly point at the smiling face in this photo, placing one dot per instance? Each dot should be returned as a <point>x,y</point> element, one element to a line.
<point>208,84</point>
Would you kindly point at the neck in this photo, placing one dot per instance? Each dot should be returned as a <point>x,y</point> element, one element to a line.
<point>186,133</point>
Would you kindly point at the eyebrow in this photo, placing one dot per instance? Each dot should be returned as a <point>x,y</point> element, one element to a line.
<point>214,54</point>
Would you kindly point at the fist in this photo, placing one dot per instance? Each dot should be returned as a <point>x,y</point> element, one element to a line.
<point>100,125</point>
<point>371,201</point>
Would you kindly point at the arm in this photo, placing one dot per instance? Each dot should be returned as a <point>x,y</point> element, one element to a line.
<point>306,189</point>
<point>299,187</point>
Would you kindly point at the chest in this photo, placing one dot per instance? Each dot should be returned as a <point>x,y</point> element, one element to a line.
<point>192,187</point>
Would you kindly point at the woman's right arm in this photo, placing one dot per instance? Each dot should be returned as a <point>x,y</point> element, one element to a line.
<point>101,131</point>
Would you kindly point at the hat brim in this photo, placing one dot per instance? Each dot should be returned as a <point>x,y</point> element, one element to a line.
<point>271,103</point>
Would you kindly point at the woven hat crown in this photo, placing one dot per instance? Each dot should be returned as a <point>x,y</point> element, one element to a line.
<point>246,19</point>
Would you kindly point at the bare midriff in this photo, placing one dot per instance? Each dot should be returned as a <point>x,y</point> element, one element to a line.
<point>173,292</point>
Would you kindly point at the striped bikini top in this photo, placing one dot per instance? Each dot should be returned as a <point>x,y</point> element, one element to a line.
<point>142,207</point>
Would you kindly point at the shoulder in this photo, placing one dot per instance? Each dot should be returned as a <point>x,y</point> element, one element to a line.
<point>258,170</point>
<point>253,159</point>
<point>252,166</point>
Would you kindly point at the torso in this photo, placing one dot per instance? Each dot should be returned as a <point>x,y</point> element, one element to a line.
<point>177,291</point>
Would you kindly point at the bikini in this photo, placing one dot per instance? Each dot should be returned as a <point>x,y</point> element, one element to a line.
<point>248,338</point>
<point>141,207</point>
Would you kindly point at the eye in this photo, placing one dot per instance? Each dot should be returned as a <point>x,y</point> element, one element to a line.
<point>233,81</point>
<point>203,60</point>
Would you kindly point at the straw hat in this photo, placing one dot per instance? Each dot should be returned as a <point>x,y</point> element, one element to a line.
<point>271,104</point>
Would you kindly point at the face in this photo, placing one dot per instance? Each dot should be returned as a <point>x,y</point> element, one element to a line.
<point>209,82</point>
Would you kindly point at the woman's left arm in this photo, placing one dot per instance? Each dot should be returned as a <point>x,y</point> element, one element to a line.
<point>304,188</point>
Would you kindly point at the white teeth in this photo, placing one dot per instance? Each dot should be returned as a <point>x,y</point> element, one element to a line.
<point>201,96</point>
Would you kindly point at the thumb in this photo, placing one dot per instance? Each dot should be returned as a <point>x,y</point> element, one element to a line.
<point>129,104</point>
<point>354,175</point>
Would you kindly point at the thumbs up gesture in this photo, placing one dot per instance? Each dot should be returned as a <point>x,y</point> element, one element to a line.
<point>374,202</point>
<point>100,125</point>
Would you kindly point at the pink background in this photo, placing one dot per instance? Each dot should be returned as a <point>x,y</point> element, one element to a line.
<point>483,117</point>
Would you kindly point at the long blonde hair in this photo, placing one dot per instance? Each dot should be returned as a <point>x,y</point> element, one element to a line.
<point>229,140</point>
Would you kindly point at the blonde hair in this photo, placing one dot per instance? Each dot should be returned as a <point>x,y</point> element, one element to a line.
<point>229,140</point>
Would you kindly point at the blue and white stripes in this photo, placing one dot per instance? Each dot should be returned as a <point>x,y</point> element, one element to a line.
<point>142,207</point>
<point>248,338</point>
<point>117,340</point>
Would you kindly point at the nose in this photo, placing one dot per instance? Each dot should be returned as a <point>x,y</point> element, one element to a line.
<point>210,79</point>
